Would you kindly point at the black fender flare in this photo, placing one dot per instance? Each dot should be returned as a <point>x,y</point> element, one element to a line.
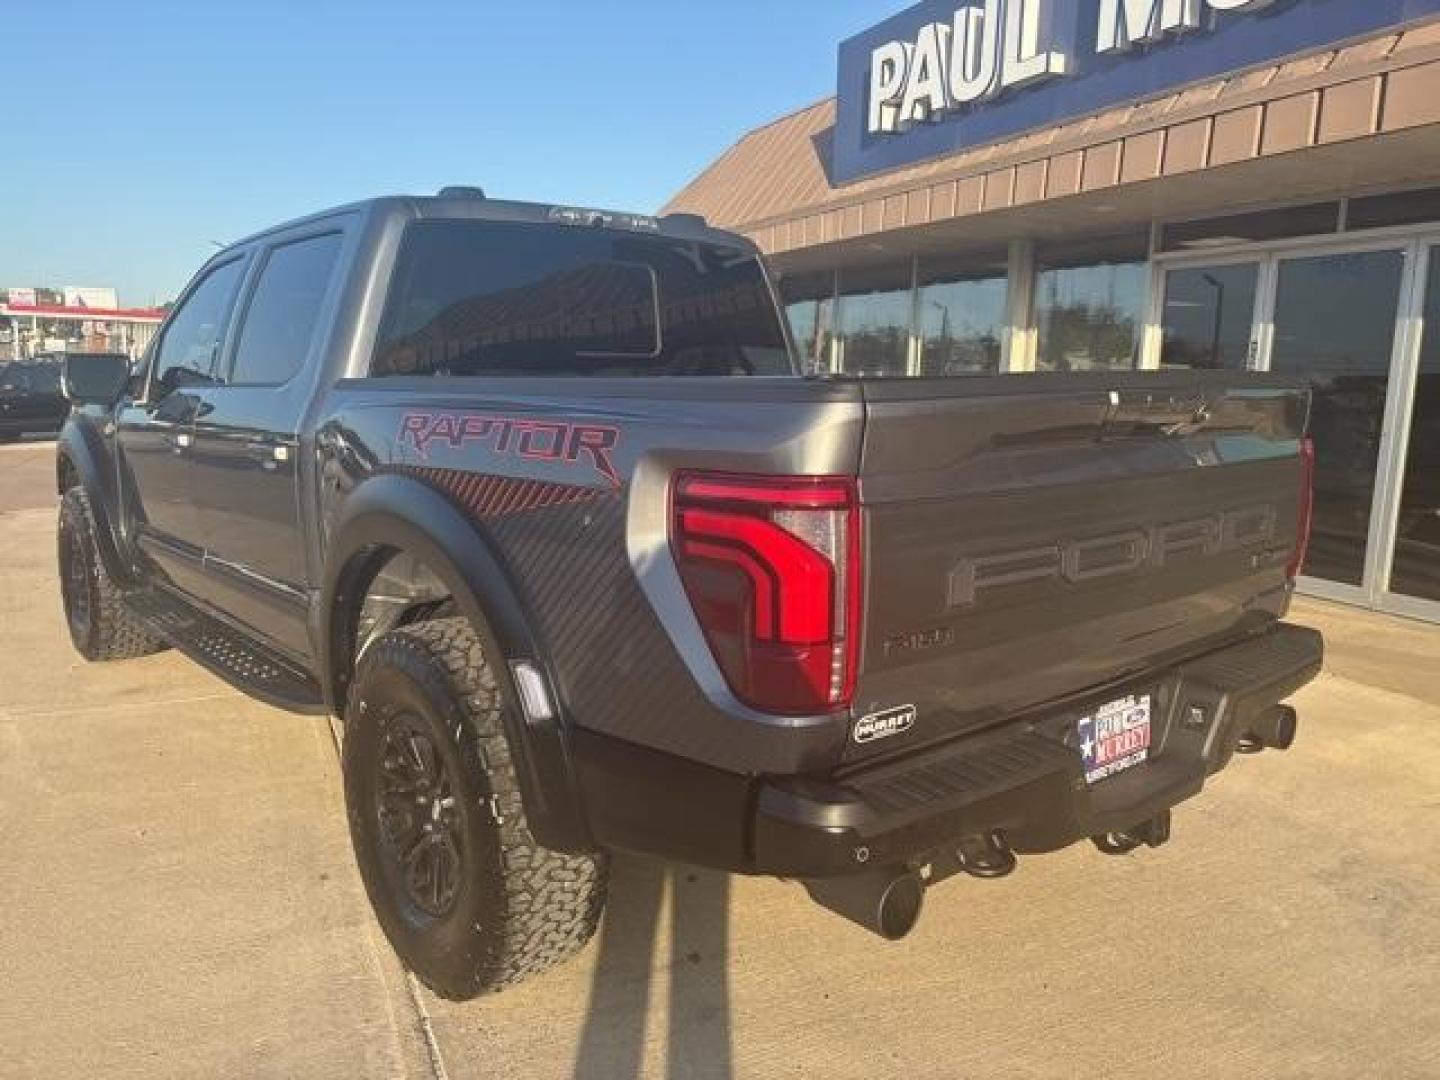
<point>80,447</point>
<point>389,511</point>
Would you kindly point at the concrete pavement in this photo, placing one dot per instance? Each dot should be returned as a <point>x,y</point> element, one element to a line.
<point>177,898</point>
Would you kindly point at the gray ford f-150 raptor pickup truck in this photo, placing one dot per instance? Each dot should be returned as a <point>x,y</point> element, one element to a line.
<point>536,500</point>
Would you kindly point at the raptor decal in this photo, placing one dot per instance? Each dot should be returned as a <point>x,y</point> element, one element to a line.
<point>539,440</point>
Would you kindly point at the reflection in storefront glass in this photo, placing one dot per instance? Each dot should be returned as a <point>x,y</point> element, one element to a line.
<point>1208,316</point>
<point>1335,322</point>
<point>1088,317</point>
<point>1417,544</point>
<point>810,305</point>
<point>876,308</point>
<point>962,318</point>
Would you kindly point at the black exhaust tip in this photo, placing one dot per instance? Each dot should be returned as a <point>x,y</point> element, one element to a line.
<point>1273,729</point>
<point>885,902</point>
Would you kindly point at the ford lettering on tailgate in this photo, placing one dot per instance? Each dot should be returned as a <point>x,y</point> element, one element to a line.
<point>1133,551</point>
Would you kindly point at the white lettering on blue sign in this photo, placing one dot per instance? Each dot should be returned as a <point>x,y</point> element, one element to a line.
<point>992,46</point>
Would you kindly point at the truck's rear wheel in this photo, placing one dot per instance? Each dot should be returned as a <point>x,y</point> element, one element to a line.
<point>464,893</point>
<point>101,626</point>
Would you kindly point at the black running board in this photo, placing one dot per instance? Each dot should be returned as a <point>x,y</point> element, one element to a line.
<point>237,658</point>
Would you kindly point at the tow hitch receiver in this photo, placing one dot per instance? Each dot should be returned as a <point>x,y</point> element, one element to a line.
<point>1150,833</point>
<point>985,855</point>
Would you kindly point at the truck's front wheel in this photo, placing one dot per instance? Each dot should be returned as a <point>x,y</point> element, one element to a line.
<point>101,626</point>
<point>464,893</point>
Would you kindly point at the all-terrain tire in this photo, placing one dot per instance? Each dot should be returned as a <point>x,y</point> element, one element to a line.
<point>426,702</point>
<point>101,626</point>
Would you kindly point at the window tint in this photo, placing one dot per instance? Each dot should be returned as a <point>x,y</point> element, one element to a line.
<point>502,298</point>
<point>1313,220</point>
<point>810,305</point>
<point>1090,305</point>
<point>280,321</point>
<point>192,340</point>
<point>876,308</point>
<point>1208,315</point>
<point>15,379</point>
<point>1404,208</point>
<point>963,316</point>
<point>46,380</point>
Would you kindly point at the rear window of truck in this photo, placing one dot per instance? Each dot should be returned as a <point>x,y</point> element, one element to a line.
<point>508,298</point>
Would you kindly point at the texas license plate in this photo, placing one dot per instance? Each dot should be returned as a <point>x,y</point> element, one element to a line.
<point>1115,737</point>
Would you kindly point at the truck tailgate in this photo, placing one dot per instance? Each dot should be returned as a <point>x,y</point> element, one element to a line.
<point>1031,540</point>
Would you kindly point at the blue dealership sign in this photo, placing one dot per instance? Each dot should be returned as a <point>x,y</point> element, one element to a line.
<point>946,75</point>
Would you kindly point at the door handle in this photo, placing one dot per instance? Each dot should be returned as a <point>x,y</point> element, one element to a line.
<point>268,454</point>
<point>269,451</point>
<point>179,441</point>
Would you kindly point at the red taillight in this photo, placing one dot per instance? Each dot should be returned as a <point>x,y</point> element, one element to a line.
<point>772,569</point>
<point>1307,507</point>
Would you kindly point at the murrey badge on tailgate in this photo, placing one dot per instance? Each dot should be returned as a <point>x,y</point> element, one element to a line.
<point>881,725</point>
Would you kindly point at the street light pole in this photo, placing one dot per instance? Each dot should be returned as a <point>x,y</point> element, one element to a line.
<point>1219,287</point>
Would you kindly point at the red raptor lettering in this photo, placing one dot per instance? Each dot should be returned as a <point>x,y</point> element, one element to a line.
<point>539,440</point>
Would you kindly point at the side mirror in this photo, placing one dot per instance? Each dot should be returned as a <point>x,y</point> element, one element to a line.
<point>139,375</point>
<point>98,379</point>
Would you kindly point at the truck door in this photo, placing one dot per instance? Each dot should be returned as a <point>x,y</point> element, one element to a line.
<point>248,454</point>
<point>155,432</point>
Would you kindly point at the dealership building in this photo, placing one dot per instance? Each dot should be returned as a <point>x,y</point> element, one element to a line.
<point>1088,185</point>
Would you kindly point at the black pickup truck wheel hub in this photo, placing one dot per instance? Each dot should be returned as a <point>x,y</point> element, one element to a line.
<point>419,818</point>
<point>75,579</point>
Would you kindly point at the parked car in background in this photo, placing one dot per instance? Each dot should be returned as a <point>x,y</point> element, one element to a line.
<point>31,401</point>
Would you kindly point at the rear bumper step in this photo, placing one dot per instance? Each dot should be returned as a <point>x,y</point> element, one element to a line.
<point>1025,783</point>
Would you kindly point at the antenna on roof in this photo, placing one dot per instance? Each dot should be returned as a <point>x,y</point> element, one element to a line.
<point>460,191</point>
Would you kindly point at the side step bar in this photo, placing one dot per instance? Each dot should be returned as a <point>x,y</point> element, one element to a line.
<point>245,664</point>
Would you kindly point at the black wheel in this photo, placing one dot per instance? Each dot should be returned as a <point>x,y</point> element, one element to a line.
<point>101,626</point>
<point>464,893</point>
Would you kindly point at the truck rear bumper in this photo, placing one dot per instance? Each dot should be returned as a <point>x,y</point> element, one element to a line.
<point>1025,781</point>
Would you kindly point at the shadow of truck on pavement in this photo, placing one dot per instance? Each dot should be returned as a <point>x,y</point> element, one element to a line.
<point>698,1039</point>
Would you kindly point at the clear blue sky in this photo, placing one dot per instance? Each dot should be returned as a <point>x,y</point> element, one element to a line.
<point>138,131</point>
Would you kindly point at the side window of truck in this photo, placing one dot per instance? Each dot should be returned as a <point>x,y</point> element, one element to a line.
<point>191,346</point>
<point>277,331</point>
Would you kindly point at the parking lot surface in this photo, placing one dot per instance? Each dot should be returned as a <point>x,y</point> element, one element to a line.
<point>177,898</point>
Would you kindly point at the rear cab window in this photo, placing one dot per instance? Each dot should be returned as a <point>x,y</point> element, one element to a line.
<point>509,298</point>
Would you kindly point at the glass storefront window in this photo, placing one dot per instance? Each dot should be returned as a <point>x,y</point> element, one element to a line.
<point>1397,208</point>
<point>876,310</point>
<point>1209,312</point>
<point>1316,219</point>
<point>1417,539</point>
<point>962,316</point>
<point>1090,306</point>
<point>1335,323</point>
<point>810,305</point>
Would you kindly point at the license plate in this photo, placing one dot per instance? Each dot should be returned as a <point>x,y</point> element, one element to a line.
<point>1115,737</point>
